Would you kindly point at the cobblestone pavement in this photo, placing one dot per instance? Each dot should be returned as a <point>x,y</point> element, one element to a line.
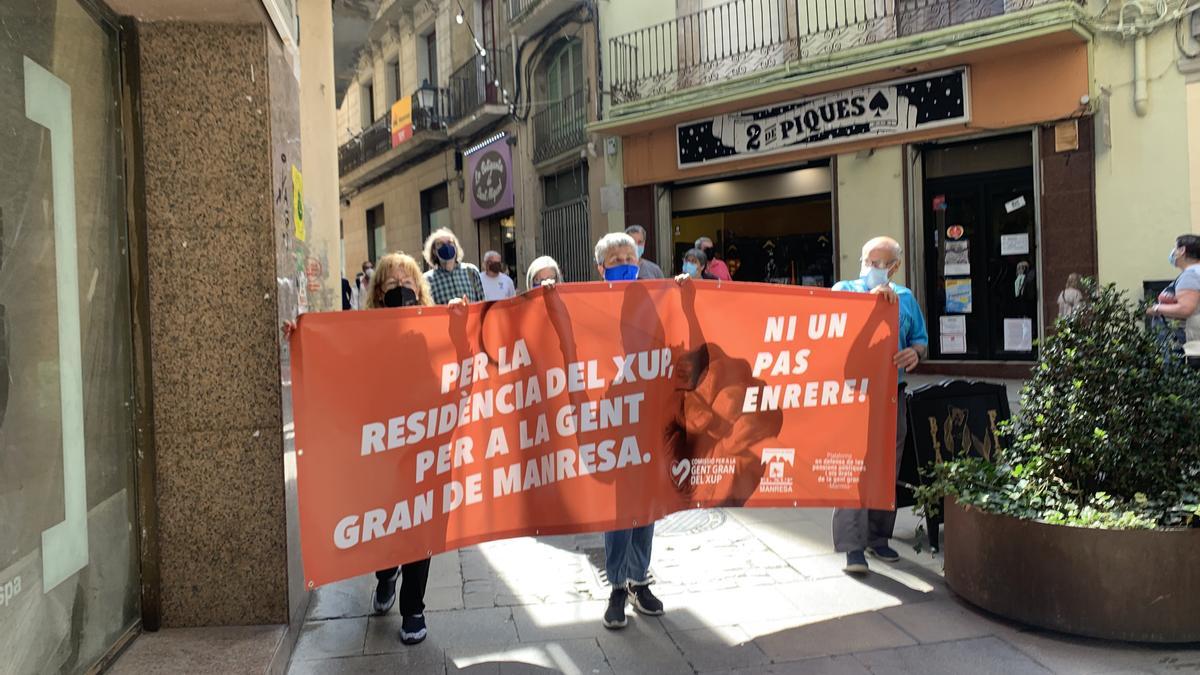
<point>746,591</point>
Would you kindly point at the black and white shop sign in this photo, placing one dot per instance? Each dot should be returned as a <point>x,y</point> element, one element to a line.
<point>896,107</point>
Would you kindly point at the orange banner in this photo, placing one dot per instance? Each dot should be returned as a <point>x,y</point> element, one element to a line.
<point>584,407</point>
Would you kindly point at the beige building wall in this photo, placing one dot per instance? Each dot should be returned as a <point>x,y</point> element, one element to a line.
<point>870,203</point>
<point>1142,184</point>
<point>318,143</point>
<point>1193,122</point>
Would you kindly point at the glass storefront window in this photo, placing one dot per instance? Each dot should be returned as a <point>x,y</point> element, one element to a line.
<point>68,547</point>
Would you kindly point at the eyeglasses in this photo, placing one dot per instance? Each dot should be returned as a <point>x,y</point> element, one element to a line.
<point>880,264</point>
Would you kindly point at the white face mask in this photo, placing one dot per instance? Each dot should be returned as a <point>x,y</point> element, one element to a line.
<point>874,277</point>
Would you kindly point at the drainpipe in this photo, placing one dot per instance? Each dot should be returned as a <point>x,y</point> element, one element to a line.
<point>1141,97</point>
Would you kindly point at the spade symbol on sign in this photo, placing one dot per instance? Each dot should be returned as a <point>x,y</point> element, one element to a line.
<point>879,104</point>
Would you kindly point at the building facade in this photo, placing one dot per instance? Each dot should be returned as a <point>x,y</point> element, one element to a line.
<point>473,115</point>
<point>1005,144</point>
<point>158,220</point>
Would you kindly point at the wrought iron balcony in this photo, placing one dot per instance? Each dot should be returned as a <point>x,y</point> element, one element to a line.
<point>560,127</point>
<point>363,157</point>
<point>480,83</point>
<point>372,141</point>
<point>526,17</point>
<point>742,37</point>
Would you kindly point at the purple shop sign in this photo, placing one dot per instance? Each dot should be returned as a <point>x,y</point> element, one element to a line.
<point>491,179</point>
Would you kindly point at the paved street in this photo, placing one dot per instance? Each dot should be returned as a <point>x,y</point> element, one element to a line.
<point>746,591</point>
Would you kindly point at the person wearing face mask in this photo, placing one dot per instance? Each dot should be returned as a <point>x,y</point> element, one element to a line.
<point>496,284</point>
<point>543,271</point>
<point>1181,301</point>
<point>399,283</point>
<point>716,268</point>
<point>695,265</point>
<point>449,277</point>
<point>857,532</point>
<point>646,268</point>
<point>626,552</point>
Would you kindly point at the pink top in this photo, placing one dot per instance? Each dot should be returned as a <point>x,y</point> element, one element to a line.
<point>718,269</point>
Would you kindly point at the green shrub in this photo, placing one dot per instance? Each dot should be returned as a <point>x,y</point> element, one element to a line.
<point>1107,435</point>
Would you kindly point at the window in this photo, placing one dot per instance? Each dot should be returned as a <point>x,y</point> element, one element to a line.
<point>376,233</point>
<point>427,65</point>
<point>565,186</point>
<point>564,72</point>
<point>391,82</point>
<point>435,209</point>
<point>367,103</point>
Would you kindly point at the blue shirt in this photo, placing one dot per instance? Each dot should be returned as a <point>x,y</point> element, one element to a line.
<point>912,320</point>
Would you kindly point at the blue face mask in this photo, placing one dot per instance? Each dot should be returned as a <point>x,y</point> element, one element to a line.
<point>690,269</point>
<point>446,252</point>
<point>641,249</point>
<point>621,273</point>
<point>874,278</point>
<point>1172,257</point>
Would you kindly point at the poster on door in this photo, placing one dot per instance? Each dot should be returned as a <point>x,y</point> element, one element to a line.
<point>884,109</point>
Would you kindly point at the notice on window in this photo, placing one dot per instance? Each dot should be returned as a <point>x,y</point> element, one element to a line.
<point>958,296</point>
<point>958,258</point>
<point>1018,335</point>
<point>1015,204</point>
<point>953,334</point>
<point>954,344</point>
<point>953,325</point>
<point>1014,244</point>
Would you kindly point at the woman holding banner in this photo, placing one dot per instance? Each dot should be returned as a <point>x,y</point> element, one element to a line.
<point>399,283</point>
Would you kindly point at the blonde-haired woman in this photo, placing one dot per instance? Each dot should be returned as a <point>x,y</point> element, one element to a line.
<point>397,270</point>
<point>449,277</point>
<point>397,282</point>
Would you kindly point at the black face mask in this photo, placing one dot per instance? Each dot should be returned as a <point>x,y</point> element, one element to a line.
<point>400,296</point>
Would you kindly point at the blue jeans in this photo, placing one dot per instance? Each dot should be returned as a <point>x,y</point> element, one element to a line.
<point>627,554</point>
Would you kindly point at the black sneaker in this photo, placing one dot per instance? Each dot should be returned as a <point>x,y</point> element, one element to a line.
<point>413,630</point>
<point>884,553</point>
<point>614,616</point>
<point>856,563</point>
<point>644,601</point>
<point>385,594</point>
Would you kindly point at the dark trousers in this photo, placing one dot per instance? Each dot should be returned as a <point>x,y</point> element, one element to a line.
<point>856,529</point>
<point>413,577</point>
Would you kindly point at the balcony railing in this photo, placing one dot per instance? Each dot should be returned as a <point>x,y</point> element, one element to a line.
<point>372,141</point>
<point>483,80</point>
<point>517,7</point>
<point>560,126</point>
<point>429,108</point>
<point>741,37</point>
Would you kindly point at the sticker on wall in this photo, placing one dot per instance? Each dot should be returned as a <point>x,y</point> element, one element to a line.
<point>1018,335</point>
<point>955,232</point>
<point>958,258</point>
<point>298,203</point>
<point>1013,205</point>
<point>1014,244</point>
<point>939,203</point>
<point>958,296</point>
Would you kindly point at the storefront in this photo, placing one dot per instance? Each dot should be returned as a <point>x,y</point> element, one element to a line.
<point>774,227</point>
<point>69,570</point>
<point>945,158</point>
<point>490,183</point>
